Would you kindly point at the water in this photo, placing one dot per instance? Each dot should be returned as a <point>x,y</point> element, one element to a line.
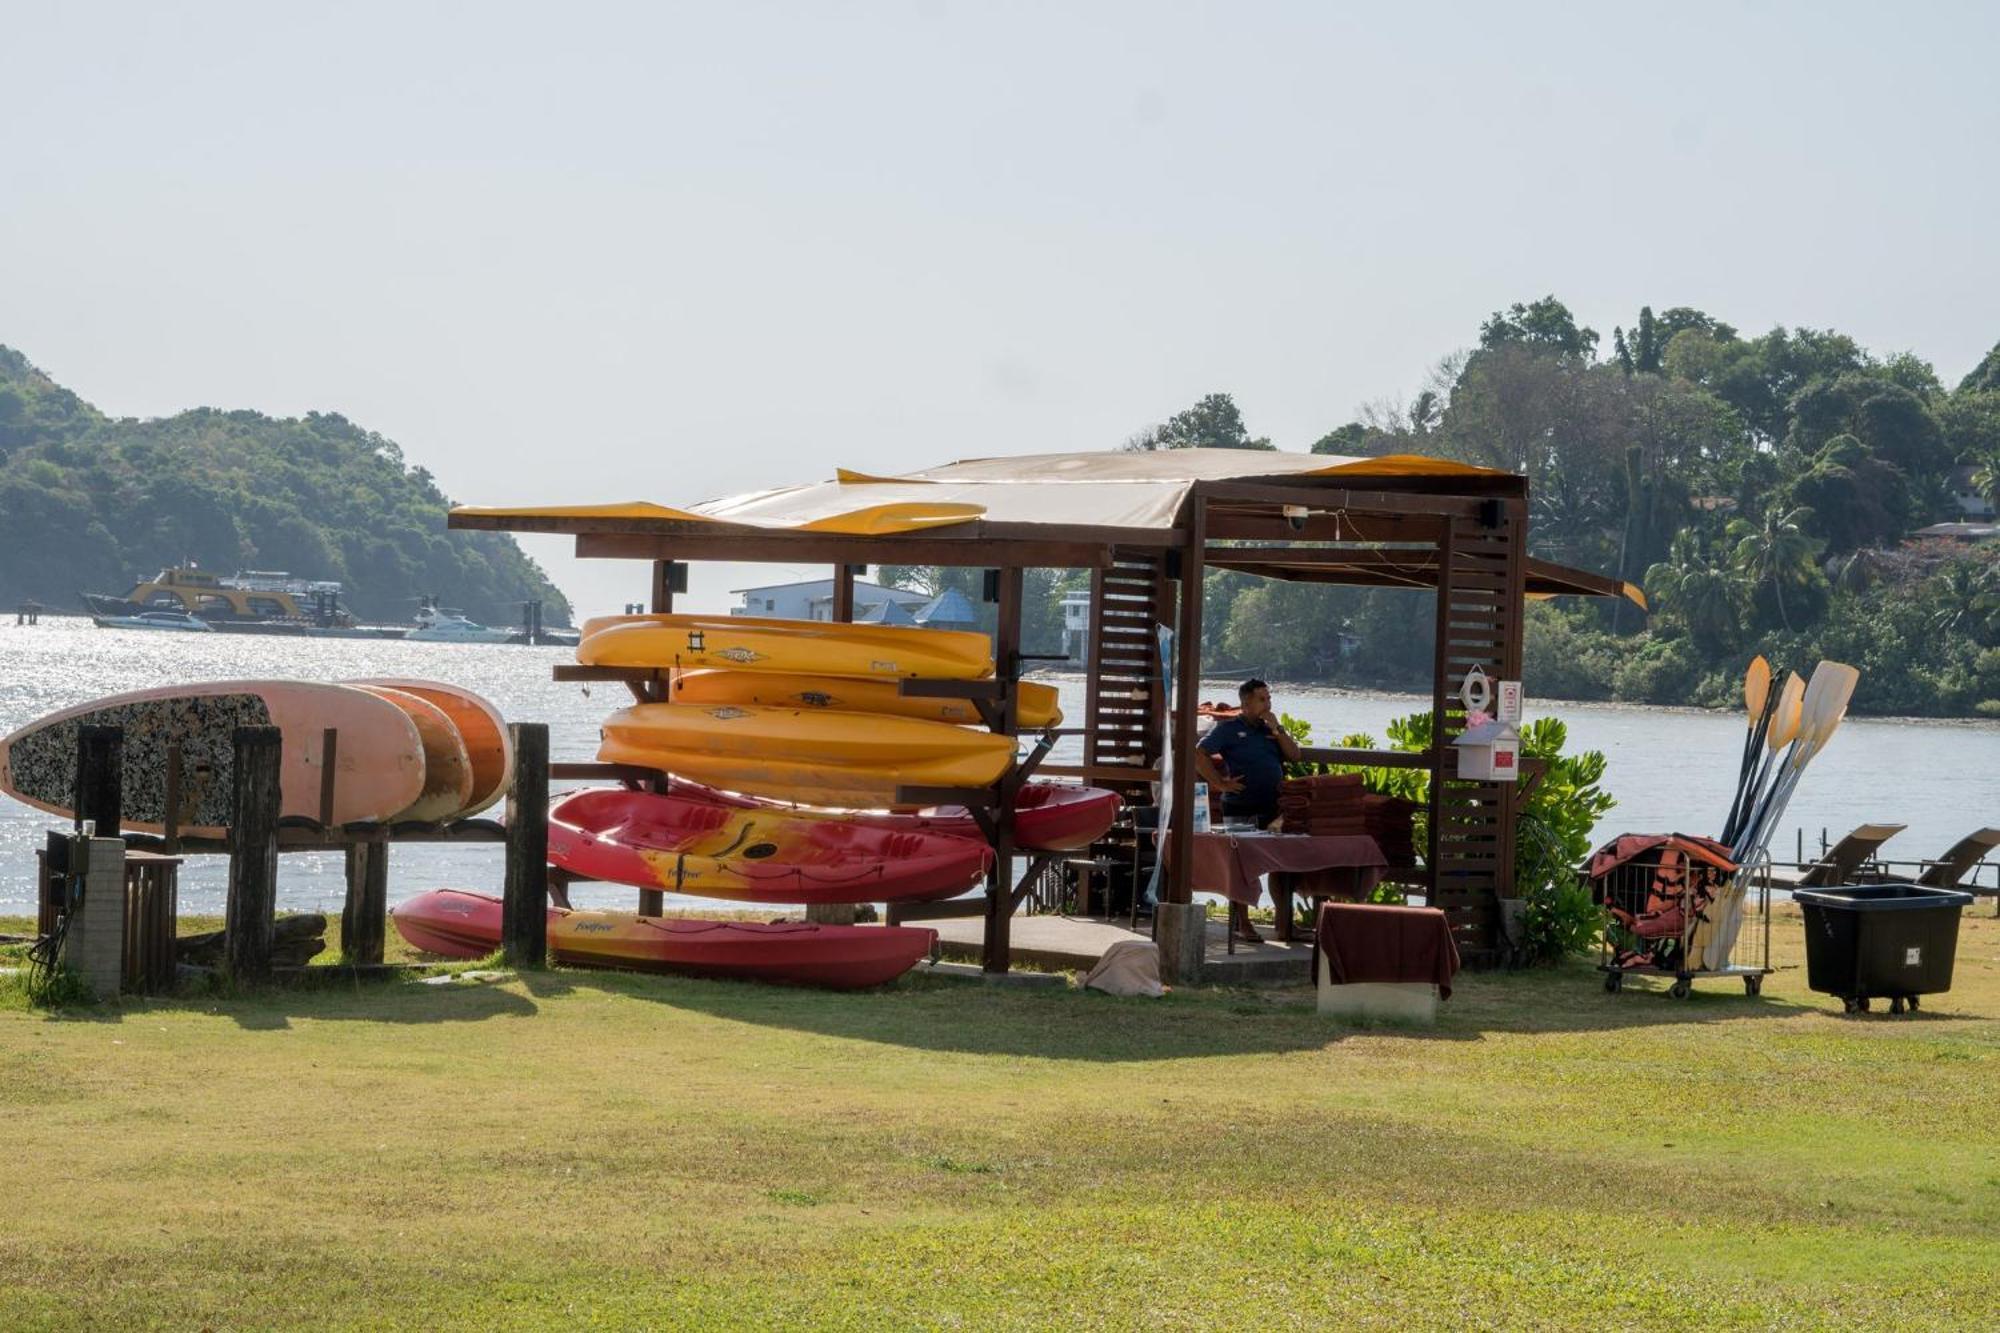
<point>1671,769</point>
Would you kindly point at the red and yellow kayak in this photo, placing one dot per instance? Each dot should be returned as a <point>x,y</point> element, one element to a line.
<point>760,854</point>
<point>455,924</point>
<point>1048,816</point>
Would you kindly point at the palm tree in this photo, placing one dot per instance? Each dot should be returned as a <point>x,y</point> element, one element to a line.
<point>1701,590</point>
<point>1986,477</point>
<point>1777,551</point>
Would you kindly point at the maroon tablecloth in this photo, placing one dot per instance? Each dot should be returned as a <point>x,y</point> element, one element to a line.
<point>1231,865</point>
<point>1372,942</point>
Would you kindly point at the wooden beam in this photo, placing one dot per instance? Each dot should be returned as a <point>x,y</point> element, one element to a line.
<point>250,908</point>
<point>1457,502</point>
<point>997,954</point>
<point>100,779</point>
<point>1355,524</point>
<point>524,906</point>
<point>364,917</point>
<point>1187,686</point>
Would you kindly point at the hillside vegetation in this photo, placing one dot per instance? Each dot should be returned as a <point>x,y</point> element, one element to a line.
<point>89,502</point>
<point>1767,492</point>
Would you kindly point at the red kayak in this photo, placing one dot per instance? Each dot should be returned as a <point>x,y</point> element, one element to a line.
<point>456,924</point>
<point>1048,816</point>
<point>754,853</point>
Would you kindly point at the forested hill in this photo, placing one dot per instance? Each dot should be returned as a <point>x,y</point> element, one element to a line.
<point>89,503</point>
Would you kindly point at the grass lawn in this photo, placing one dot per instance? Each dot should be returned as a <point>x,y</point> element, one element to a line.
<point>572,1149</point>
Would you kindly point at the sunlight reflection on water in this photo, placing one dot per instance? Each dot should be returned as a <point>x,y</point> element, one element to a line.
<point>1671,769</point>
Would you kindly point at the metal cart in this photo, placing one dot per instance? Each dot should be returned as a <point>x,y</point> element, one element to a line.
<point>1669,908</point>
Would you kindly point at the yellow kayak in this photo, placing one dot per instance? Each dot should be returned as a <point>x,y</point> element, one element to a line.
<point>806,755</point>
<point>759,644</point>
<point>851,694</point>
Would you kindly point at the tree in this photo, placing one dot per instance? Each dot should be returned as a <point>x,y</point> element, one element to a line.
<point>1544,326</point>
<point>1705,594</point>
<point>1854,498</point>
<point>1984,377</point>
<point>1212,423</point>
<point>1775,553</point>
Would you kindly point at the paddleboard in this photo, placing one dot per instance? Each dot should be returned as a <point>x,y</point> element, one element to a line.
<point>379,758</point>
<point>806,755</point>
<point>754,854</point>
<point>852,694</point>
<point>756,643</point>
<point>456,924</point>
<point>488,747</point>
<point>447,769</point>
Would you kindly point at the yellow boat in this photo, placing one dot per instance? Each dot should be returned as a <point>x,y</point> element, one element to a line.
<point>811,756</point>
<point>760,644</point>
<point>851,694</point>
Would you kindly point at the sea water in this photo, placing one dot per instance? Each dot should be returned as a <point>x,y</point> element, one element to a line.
<point>1671,769</point>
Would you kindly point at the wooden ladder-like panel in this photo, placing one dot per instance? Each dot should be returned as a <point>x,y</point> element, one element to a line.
<point>1482,586</point>
<point>1125,710</point>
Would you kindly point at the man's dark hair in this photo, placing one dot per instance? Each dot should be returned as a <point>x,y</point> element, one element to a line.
<point>1249,687</point>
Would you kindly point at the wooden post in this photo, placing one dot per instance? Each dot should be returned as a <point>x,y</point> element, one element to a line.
<point>997,954</point>
<point>100,778</point>
<point>364,920</point>
<point>329,758</point>
<point>253,853</point>
<point>524,910</point>
<point>837,914</point>
<point>653,902</point>
<point>1187,686</point>
<point>1441,690</point>
<point>170,815</point>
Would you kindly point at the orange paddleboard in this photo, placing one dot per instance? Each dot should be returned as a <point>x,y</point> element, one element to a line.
<point>480,726</point>
<point>447,771</point>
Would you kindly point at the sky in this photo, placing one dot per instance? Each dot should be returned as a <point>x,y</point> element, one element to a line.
<point>591,252</point>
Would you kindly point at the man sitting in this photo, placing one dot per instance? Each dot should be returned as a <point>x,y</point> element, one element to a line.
<point>1253,749</point>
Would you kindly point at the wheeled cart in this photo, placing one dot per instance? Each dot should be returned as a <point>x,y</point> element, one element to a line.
<point>1681,908</point>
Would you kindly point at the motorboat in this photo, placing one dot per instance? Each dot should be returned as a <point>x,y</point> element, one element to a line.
<point>443,624</point>
<point>179,620</point>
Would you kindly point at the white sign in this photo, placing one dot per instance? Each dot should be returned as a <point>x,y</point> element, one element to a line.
<point>1508,707</point>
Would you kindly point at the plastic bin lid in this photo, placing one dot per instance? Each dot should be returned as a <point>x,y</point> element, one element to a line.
<point>1882,897</point>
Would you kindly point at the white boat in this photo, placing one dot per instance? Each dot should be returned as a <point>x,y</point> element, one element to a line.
<point>179,620</point>
<point>436,624</point>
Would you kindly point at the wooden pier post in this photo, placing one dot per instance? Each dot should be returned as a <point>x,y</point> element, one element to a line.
<point>364,919</point>
<point>524,912</point>
<point>253,853</point>
<point>838,914</point>
<point>100,778</point>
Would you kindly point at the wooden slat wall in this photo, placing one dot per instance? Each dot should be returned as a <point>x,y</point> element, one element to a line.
<point>1126,709</point>
<point>1480,602</point>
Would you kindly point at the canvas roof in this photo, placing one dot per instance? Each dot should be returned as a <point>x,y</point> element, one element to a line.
<point>1120,489</point>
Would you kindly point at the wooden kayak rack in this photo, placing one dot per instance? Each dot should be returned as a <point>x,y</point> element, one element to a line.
<point>258,834</point>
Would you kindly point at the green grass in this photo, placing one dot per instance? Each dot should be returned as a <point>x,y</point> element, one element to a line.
<point>574,1149</point>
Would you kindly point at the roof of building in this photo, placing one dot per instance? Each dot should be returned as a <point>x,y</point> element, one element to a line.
<point>949,607</point>
<point>887,613</point>
<point>1971,532</point>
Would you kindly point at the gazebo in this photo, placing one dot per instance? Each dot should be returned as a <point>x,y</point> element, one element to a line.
<point>1146,525</point>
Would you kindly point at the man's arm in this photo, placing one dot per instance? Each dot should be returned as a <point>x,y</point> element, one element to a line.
<point>1286,745</point>
<point>1217,780</point>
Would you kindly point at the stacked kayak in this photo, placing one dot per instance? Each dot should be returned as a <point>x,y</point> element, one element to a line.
<point>806,755</point>
<point>1048,816</point>
<point>401,751</point>
<point>851,694</point>
<point>456,924</point>
<point>816,647</point>
<point>753,853</point>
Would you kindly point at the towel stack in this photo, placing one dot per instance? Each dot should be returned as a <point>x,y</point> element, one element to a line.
<point>1390,821</point>
<point>1330,804</point>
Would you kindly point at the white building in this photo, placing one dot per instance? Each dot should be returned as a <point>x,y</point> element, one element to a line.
<point>1076,625</point>
<point>813,599</point>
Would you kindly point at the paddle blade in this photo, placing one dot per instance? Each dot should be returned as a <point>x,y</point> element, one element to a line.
<point>1756,687</point>
<point>1824,706</point>
<point>1786,717</point>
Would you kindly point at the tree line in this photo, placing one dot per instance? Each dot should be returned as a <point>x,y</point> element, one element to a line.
<point>1765,491</point>
<point>88,503</point>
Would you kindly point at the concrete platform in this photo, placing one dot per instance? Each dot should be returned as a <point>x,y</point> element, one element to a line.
<point>1074,944</point>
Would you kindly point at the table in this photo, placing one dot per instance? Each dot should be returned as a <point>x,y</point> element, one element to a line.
<point>1371,942</point>
<point>1232,863</point>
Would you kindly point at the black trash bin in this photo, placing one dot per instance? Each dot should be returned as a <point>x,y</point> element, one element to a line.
<point>1881,941</point>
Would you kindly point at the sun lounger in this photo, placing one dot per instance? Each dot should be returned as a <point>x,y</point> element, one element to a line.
<point>1967,852</point>
<point>1838,864</point>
